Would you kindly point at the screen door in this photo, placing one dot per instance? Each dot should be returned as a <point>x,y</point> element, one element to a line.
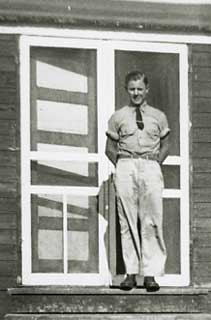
<point>61,163</point>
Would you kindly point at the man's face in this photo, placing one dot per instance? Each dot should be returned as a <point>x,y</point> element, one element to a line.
<point>137,92</point>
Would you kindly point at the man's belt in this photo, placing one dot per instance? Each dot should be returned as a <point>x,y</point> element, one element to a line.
<point>137,156</point>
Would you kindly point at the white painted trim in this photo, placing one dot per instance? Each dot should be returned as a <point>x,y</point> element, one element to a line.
<point>184,168</point>
<point>64,156</point>
<point>182,160</point>
<point>172,161</point>
<point>60,42</point>
<point>91,191</point>
<point>171,193</point>
<point>94,279</point>
<point>146,46</point>
<point>25,165</point>
<point>104,271</point>
<point>102,74</point>
<point>105,54</point>
<point>193,2</point>
<point>28,277</point>
<point>107,35</point>
<point>65,248</point>
<point>175,280</point>
<point>110,99</point>
<point>75,279</point>
<point>89,157</point>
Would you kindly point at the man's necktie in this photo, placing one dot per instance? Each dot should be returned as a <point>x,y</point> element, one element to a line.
<point>139,120</point>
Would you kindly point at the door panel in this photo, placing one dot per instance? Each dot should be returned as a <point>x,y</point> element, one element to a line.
<point>47,233</point>
<point>64,121</point>
<point>82,234</point>
<point>63,98</point>
<point>64,173</point>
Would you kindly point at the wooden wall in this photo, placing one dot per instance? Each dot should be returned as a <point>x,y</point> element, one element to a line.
<point>200,147</point>
<point>118,14</point>
<point>9,168</point>
<point>200,68</point>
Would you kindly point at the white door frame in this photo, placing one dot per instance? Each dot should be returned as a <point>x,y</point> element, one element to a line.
<point>105,83</point>
<point>183,278</point>
<point>29,278</point>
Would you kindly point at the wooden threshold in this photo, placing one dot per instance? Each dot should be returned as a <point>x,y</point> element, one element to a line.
<point>78,290</point>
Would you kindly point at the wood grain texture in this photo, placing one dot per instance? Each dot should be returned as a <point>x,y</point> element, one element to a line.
<point>204,224</point>
<point>202,254</point>
<point>8,159</point>
<point>8,268</point>
<point>7,221</point>
<point>8,206</point>
<point>202,59</point>
<point>111,303</point>
<point>201,195</point>
<point>201,150</point>
<point>8,252</point>
<point>201,120</point>
<point>7,282</point>
<point>8,189</point>
<point>7,111</point>
<point>201,48</point>
<point>116,14</point>
<point>201,89</point>
<point>7,63</point>
<point>8,173</point>
<point>202,74</point>
<point>202,179</point>
<point>124,303</point>
<point>7,237</point>
<point>201,104</point>
<point>4,302</point>
<point>8,166</point>
<point>202,165</point>
<point>104,291</point>
<point>202,210</point>
<point>8,95</point>
<point>201,134</point>
<point>145,316</point>
<point>202,235</point>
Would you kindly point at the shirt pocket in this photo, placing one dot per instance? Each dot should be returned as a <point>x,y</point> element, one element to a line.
<point>153,130</point>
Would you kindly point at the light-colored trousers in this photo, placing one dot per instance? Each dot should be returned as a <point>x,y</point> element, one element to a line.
<point>139,186</point>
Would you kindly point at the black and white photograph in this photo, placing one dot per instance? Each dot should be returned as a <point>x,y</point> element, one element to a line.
<point>105,159</point>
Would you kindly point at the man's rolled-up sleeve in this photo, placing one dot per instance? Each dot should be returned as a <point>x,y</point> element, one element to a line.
<point>164,127</point>
<point>112,131</point>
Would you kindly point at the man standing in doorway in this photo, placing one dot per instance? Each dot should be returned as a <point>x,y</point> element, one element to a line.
<point>137,144</point>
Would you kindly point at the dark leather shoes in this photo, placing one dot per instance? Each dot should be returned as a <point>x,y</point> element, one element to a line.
<point>150,284</point>
<point>129,282</point>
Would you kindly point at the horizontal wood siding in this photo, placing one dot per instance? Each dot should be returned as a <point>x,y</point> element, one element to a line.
<point>201,157</point>
<point>9,171</point>
<point>144,316</point>
<point>200,89</point>
<point>116,14</point>
<point>115,301</point>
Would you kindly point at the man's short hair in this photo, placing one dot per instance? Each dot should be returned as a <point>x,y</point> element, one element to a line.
<point>136,75</point>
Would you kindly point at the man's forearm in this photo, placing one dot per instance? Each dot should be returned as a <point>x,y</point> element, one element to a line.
<point>164,150</point>
<point>112,157</point>
<point>163,155</point>
<point>111,150</point>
